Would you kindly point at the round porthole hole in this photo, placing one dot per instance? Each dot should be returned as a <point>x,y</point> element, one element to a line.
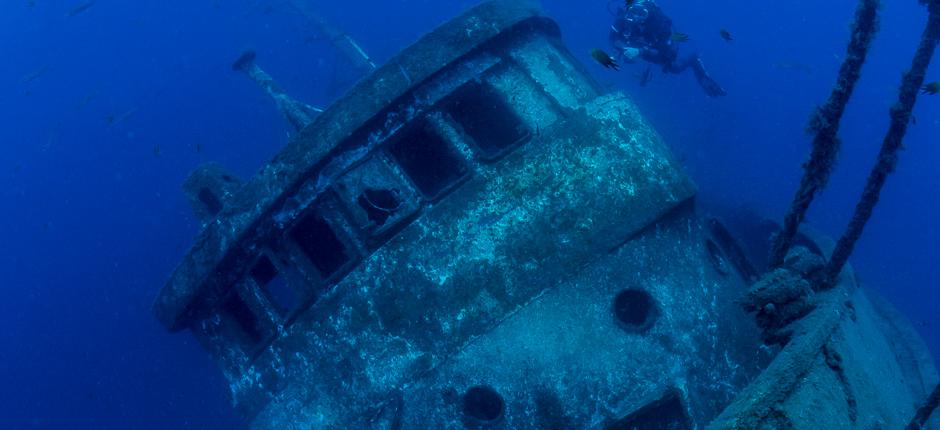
<point>483,405</point>
<point>635,310</point>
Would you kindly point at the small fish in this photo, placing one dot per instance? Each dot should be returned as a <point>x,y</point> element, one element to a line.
<point>29,77</point>
<point>88,99</point>
<point>31,3</point>
<point>80,8</point>
<point>725,34</point>
<point>157,150</point>
<point>913,120</point>
<point>646,77</point>
<point>931,88</point>
<point>117,119</point>
<point>680,37</point>
<point>198,147</point>
<point>603,59</point>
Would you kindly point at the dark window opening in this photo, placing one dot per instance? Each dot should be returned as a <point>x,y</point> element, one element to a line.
<point>210,200</point>
<point>320,244</point>
<point>486,117</point>
<point>483,405</point>
<point>635,310</point>
<point>428,160</point>
<point>264,271</point>
<point>267,277</point>
<point>236,308</point>
<point>281,293</point>
<point>667,413</point>
<point>379,204</point>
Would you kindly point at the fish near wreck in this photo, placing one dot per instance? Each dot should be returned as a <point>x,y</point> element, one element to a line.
<point>726,35</point>
<point>679,37</point>
<point>931,88</point>
<point>604,59</point>
<point>77,10</point>
<point>34,75</point>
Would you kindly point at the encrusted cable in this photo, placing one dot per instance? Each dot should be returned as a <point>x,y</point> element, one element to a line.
<point>888,156</point>
<point>825,124</point>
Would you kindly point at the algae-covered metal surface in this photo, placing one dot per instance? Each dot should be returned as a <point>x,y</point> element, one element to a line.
<point>476,236</point>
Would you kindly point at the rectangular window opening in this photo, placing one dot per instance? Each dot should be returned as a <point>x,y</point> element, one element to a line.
<point>427,159</point>
<point>246,320</point>
<point>274,284</point>
<point>485,116</point>
<point>319,243</point>
<point>264,271</point>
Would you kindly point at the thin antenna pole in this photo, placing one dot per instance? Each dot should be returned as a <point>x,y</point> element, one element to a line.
<point>341,40</point>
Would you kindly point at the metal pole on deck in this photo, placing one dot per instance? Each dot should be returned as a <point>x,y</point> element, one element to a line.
<point>341,40</point>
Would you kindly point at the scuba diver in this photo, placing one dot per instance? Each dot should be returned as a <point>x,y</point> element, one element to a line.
<point>642,30</point>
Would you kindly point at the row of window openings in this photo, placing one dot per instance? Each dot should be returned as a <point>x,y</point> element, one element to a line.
<point>430,163</point>
<point>483,115</point>
<point>283,290</point>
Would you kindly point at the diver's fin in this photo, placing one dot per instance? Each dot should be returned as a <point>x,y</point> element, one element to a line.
<point>707,83</point>
<point>711,87</point>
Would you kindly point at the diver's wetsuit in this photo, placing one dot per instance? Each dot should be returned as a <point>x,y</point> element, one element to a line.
<point>645,31</point>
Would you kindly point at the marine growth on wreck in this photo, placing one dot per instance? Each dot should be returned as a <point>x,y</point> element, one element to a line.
<point>477,235</point>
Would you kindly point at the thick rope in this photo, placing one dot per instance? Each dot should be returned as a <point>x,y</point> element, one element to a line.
<point>924,411</point>
<point>888,156</point>
<point>825,123</point>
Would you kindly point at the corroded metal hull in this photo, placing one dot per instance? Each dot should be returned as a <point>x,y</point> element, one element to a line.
<point>477,237</point>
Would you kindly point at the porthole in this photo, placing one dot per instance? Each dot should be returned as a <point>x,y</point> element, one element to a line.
<point>482,405</point>
<point>635,310</point>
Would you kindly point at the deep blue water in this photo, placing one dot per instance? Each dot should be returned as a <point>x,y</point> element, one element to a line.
<point>94,220</point>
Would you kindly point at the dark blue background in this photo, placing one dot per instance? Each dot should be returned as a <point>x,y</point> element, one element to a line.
<point>94,220</point>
